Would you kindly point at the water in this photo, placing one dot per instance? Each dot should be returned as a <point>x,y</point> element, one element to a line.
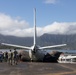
<point>4,50</point>
<point>64,51</point>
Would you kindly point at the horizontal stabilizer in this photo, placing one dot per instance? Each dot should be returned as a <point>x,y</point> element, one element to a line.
<point>28,48</point>
<point>54,46</point>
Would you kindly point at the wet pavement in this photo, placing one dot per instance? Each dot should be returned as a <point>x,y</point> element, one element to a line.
<point>37,68</point>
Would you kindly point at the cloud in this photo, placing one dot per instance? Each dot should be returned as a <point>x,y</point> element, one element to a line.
<point>61,28</point>
<point>18,27</point>
<point>9,23</point>
<point>51,1</point>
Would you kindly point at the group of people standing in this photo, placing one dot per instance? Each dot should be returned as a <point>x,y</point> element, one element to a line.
<point>11,57</point>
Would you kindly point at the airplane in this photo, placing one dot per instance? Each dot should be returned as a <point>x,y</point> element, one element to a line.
<point>67,58</point>
<point>35,52</point>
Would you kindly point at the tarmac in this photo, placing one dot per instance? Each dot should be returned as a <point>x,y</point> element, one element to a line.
<point>38,68</point>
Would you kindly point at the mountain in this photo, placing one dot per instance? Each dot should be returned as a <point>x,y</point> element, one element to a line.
<point>44,40</point>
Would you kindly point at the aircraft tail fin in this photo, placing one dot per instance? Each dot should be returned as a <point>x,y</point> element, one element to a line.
<point>35,34</point>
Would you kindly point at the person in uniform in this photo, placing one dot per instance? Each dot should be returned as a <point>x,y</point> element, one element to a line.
<point>15,57</point>
<point>10,57</point>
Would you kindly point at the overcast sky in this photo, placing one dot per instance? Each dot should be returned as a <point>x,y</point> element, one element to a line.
<point>53,17</point>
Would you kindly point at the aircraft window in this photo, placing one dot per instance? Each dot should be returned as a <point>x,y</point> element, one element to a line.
<point>74,59</point>
<point>68,59</point>
<point>63,59</point>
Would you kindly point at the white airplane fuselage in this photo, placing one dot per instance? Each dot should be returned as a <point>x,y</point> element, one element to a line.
<point>36,54</point>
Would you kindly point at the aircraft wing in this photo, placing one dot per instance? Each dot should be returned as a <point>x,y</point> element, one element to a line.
<point>54,46</point>
<point>28,48</point>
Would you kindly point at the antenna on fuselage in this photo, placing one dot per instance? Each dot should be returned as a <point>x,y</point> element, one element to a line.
<point>35,34</point>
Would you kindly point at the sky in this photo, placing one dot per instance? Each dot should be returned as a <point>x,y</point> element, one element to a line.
<point>52,17</point>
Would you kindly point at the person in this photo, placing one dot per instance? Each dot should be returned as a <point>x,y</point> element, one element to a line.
<point>20,56</point>
<point>5,56</point>
<point>1,56</point>
<point>10,57</point>
<point>15,57</point>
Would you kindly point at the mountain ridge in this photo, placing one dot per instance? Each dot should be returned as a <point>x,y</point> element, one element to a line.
<point>44,40</point>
